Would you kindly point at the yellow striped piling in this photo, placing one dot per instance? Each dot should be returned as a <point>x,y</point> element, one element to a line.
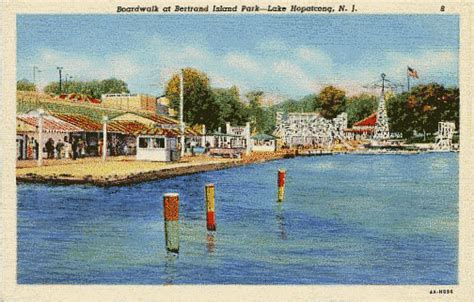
<point>210,207</point>
<point>171,215</point>
<point>281,184</point>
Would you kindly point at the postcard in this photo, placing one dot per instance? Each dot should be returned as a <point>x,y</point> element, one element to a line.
<point>219,150</point>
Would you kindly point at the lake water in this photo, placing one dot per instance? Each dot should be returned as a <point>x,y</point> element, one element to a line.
<point>346,219</point>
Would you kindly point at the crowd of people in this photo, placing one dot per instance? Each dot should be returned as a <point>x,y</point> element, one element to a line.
<point>74,148</point>
<point>68,148</point>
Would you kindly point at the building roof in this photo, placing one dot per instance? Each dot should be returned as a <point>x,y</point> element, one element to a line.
<point>50,123</point>
<point>263,136</point>
<point>80,98</point>
<point>159,131</point>
<point>363,130</point>
<point>80,121</point>
<point>125,127</point>
<point>223,134</point>
<point>153,117</point>
<point>368,121</point>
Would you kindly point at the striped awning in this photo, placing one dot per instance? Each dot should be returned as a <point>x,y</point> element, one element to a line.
<point>50,123</point>
<point>125,127</point>
<point>80,121</point>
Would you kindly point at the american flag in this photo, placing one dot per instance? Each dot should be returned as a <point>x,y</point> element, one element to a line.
<point>412,72</point>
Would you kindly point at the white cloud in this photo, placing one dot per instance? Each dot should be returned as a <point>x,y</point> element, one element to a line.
<point>314,56</point>
<point>242,62</point>
<point>278,70</point>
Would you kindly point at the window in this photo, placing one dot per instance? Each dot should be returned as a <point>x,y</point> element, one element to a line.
<point>143,142</point>
<point>159,142</point>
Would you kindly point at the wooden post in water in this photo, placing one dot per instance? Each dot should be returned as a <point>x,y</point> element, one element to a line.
<point>210,205</point>
<point>171,214</point>
<point>281,184</point>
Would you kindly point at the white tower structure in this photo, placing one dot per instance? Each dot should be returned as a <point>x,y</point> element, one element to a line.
<point>444,139</point>
<point>381,130</point>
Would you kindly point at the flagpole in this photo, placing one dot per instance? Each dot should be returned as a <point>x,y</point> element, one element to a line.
<point>408,80</point>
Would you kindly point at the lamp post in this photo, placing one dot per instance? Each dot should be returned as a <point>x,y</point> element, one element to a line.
<point>181,109</point>
<point>104,145</point>
<point>35,70</point>
<point>40,137</point>
<point>59,68</point>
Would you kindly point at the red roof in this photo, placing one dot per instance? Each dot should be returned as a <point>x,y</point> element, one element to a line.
<point>75,97</point>
<point>368,121</point>
<point>127,127</point>
<point>80,121</point>
<point>50,123</point>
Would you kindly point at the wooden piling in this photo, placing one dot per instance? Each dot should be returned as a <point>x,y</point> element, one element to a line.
<point>281,184</point>
<point>210,206</point>
<point>171,215</point>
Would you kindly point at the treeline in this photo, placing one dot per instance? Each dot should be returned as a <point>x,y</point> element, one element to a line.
<point>215,106</point>
<point>418,110</point>
<point>422,108</point>
<point>93,88</point>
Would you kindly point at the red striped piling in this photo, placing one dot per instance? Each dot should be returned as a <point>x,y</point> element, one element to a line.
<point>171,215</point>
<point>210,207</point>
<point>281,184</point>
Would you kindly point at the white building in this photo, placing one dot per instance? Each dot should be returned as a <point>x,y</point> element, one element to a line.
<point>309,129</point>
<point>263,143</point>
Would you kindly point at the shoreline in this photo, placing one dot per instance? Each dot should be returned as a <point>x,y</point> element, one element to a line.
<point>151,171</point>
<point>164,172</point>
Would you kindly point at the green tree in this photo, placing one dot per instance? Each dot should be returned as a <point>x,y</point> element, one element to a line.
<point>200,107</point>
<point>52,88</point>
<point>231,108</point>
<point>359,107</point>
<point>94,88</point>
<point>25,85</point>
<point>400,118</point>
<point>422,108</point>
<point>333,102</point>
<point>113,85</point>
<point>255,111</point>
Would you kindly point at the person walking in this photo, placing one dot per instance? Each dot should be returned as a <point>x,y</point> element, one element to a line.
<point>67,148</point>
<point>74,148</point>
<point>59,148</point>
<point>50,148</point>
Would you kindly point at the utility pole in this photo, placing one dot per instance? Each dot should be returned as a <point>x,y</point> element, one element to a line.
<point>65,83</point>
<point>60,78</point>
<point>181,108</point>
<point>105,118</point>
<point>40,137</point>
<point>35,70</point>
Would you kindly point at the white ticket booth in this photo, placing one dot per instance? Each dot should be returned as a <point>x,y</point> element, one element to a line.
<point>157,148</point>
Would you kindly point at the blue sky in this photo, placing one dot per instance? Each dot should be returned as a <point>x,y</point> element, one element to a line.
<point>284,55</point>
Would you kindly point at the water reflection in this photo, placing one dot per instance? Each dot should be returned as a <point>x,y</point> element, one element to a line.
<point>170,268</point>
<point>211,242</point>
<point>280,218</point>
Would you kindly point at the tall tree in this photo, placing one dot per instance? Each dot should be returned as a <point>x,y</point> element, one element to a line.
<point>422,108</point>
<point>255,110</point>
<point>333,102</point>
<point>199,105</point>
<point>231,108</point>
